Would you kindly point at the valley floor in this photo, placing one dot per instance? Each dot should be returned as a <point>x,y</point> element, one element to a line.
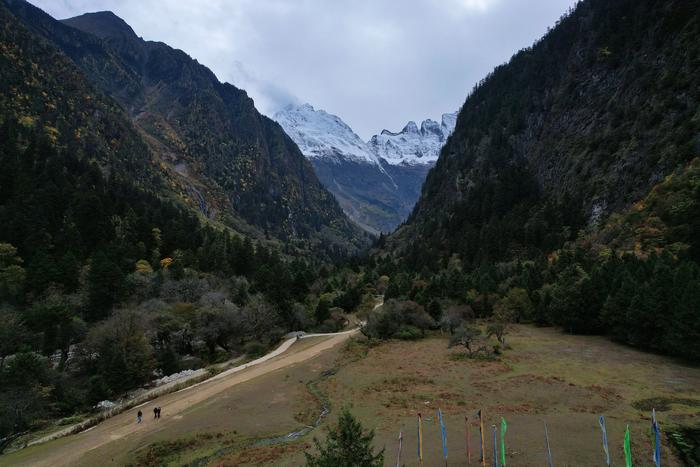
<point>184,412</point>
<point>567,381</point>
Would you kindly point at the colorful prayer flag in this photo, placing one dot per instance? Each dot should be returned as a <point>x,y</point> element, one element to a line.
<point>469,442</point>
<point>444,435</point>
<point>504,427</point>
<point>481,436</point>
<point>398,456</point>
<point>495,446</point>
<point>549,451</point>
<point>628,450</point>
<point>657,439</point>
<point>601,422</point>
<point>420,438</point>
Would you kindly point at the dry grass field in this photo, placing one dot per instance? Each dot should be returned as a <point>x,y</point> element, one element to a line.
<point>567,381</point>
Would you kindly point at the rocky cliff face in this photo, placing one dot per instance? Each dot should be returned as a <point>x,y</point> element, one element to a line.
<point>207,139</point>
<point>377,182</point>
<point>575,127</point>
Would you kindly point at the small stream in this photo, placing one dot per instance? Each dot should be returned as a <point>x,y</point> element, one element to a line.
<point>325,410</point>
<point>292,436</point>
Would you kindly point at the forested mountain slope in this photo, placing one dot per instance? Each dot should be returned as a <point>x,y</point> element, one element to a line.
<point>109,275</point>
<point>578,126</point>
<point>568,194</point>
<point>217,152</point>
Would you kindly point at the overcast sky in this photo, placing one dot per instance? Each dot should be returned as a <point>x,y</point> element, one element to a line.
<point>374,63</point>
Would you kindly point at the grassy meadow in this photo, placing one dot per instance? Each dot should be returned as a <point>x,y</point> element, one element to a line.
<point>544,376</point>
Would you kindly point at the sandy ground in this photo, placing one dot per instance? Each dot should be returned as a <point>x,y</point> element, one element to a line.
<point>70,450</point>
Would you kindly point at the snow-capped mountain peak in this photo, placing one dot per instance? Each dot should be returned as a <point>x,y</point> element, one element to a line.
<point>410,127</point>
<point>412,145</point>
<point>320,134</point>
<point>376,182</point>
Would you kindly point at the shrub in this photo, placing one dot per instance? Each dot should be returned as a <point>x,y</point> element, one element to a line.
<point>409,333</point>
<point>254,349</point>
<point>393,317</point>
<point>347,445</point>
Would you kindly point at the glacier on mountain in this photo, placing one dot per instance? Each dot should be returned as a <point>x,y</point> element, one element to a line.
<point>413,145</point>
<point>320,134</point>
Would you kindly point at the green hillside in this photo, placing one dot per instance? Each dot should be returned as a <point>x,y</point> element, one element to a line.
<point>215,151</point>
<point>578,126</point>
<point>568,193</point>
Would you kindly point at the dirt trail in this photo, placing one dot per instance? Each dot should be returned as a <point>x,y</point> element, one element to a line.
<point>67,451</point>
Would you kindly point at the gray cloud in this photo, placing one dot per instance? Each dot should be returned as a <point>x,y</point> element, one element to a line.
<point>375,63</point>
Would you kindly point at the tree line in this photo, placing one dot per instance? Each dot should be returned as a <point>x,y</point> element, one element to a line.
<point>105,286</point>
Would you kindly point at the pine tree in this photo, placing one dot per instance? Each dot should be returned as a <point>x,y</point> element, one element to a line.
<point>105,283</point>
<point>323,311</point>
<point>435,310</point>
<point>347,445</point>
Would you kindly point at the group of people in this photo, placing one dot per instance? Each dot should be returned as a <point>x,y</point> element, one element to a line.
<point>156,414</point>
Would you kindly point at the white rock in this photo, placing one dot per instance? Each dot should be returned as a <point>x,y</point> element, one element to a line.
<point>104,405</point>
<point>173,377</point>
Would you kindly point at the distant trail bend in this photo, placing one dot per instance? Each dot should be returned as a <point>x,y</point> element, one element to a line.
<point>67,451</point>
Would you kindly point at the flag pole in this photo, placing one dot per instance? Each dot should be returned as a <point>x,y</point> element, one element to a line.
<point>504,428</point>
<point>627,448</point>
<point>444,435</point>
<point>601,422</point>
<point>549,451</point>
<point>657,439</point>
<point>420,439</point>
<point>495,445</point>
<point>398,455</point>
<point>481,436</point>
<point>469,443</point>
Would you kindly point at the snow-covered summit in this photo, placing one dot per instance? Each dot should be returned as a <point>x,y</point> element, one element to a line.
<point>376,183</point>
<point>412,145</point>
<point>320,134</point>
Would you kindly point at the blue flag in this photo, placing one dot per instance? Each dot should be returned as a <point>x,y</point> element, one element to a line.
<point>444,435</point>
<point>495,446</point>
<point>657,439</point>
<point>601,421</point>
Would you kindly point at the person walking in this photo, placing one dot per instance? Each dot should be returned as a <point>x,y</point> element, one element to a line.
<point>139,415</point>
<point>155,413</point>
<point>158,413</point>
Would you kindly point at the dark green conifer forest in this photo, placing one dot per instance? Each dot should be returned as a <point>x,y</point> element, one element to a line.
<point>569,194</point>
<point>110,276</point>
<point>137,247</point>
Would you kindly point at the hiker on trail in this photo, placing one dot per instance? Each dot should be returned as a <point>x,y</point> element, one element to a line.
<point>155,413</point>
<point>158,413</point>
<point>138,416</point>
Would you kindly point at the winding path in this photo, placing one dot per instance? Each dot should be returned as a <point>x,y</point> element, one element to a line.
<point>68,450</point>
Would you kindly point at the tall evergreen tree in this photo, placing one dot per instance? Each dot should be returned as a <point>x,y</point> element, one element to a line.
<point>347,445</point>
<point>105,283</point>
